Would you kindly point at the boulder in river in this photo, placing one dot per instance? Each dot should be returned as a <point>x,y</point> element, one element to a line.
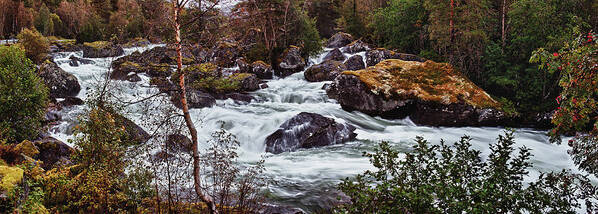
<point>60,83</point>
<point>325,71</point>
<point>335,54</point>
<point>101,49</point>
<point>356,47</point>
<point>355,63</point>
<point>429,93</point>
<point>76,61</point>
<point>261,69</point>
<point>308,130</point>
<point>339,40</point>
<point>195,99</point>
<point>373,57</point>
<point>127,71</point>
<point>179,143</point>
<point>290,62</point>
<point>224,53</point>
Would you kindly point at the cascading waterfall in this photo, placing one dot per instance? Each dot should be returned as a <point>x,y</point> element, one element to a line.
<point>306,178</point>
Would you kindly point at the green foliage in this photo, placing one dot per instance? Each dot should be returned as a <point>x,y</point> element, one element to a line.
<point>23,96</point>
<point>351,19</point>
<point>309,36</point>
<point>577,65</point>
<point>91,31</point>
<point>456,179</point>
<point>401,26</point>
<point>43,21</point>
<point>36,46</point>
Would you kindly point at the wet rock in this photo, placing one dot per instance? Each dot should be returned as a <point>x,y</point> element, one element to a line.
<point>339,40</point>
<point>59,82</point>
<point>133,132</point>
<point>308,130</point>
<point>52,116</point>
<point>76,61</point>
<point>290,62</point>
<point>53,153</point>
<point>137,42</point>
<point>355,63</point>
<point>195,99</point>
<point>127,71</point>
<point>101,49</point>
<point>356,47</point>
<point>429,93</point>
<point>325,71</point>
<point>264,86</point>
<point>336,55</point>
<point>179,143</point>
<point>71,101</point>
<point>246,81</point>
<point>244,66</point>
<point>375,56</point>
<point>261,69</point>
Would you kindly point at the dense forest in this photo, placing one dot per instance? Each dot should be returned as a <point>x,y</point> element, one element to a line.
<point>153,106</point>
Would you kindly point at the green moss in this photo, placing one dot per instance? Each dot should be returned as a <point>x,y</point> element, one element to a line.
<point>261,63</point>
<point>27,148</point>
<point>10,176</point>
<point>98,44</point>
<point>429,81</point>
<point>130,64</point>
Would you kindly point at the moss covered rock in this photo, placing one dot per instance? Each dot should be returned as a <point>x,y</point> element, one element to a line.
<point>375,56</point>
<point>339,40</point>
<point>127,71</point>
<point>101,49</point>
<point>9,177</point>
<point>290,62</point>
<point>430,93</point>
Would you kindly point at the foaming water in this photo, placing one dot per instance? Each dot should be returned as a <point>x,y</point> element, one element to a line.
<point>306,178</point>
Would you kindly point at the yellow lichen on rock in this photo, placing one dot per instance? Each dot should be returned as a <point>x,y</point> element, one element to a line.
<point>428,81</point>
<point>9,177</point>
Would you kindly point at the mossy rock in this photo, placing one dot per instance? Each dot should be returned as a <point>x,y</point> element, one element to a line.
<point>9,177</point>
<point>98,44</point>
<point>427,81</point>
<point>27,148</point>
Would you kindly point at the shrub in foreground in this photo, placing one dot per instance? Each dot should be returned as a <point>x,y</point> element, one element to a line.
<point>455,179</point>
<point>23,96</point>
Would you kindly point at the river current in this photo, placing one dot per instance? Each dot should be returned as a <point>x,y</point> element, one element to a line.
<point>306,178</point>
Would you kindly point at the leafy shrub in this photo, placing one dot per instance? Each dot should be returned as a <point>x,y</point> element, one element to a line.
<point>36,45</point>
<point>23,96</point>
<point>455,179</point>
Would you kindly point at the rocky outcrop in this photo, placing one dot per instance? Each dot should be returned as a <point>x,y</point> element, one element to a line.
<point>60,83</point>
<point>336,55</point>
<point>373,57</point>
<point>246,81</point>
<point>133,132</point>
<point>53,153</point>
<point>355,63</point>
<point>429,93</point>
<point>339,40</point>
<point>325,71</point>
<point>290,62</point>
<point>308,130</point>
<point>101,49</point>
<point>127,71</point>
<point>356,47</point>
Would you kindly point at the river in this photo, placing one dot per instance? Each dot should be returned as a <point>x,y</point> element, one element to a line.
<point>307,178</point>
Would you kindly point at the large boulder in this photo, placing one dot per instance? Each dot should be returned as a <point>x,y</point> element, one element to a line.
<point>246,81</point>
<point>290,62</point>
<point>261,69</point>
<point>325,71</point>
<point>339,40</point>
<point>195,99</point>
<point>308,130</point>
<point>224,54</point>
<point>126,71</point>
<point>335,54</point>
<point>53,153</point>
<point>133,132</point>
<point>355,63</point>
<point>356,47</point>
<point>60,83</point>
<point>373,57</point>
<point>429,93</point>
<point>101,49</point>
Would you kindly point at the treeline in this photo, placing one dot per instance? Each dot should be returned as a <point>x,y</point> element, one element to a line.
<point>489,40</point>
<point>86,20</point>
